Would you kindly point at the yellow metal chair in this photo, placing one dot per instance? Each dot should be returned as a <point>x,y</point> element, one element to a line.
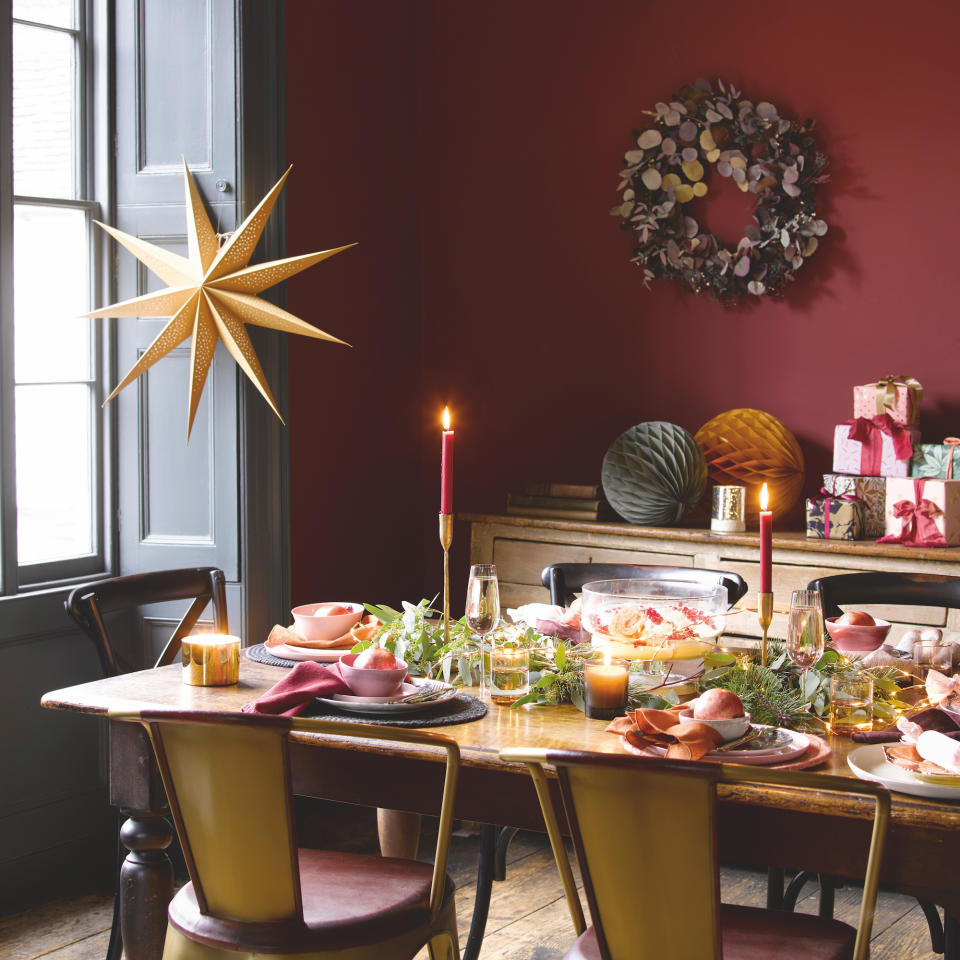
<point>630,817</point>
<point>252,891</point>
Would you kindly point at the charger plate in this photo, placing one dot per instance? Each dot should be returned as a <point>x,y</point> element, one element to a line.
<point>388,706</point>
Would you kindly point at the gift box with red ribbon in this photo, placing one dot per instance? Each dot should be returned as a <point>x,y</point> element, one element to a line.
<point>871,490</point>
<point>873,447</point>
<point>835,517</point>
<point>896,395</point>
<point>922,512</point>
<point>937,459</point>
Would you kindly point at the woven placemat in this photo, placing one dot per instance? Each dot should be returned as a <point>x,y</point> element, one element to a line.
<point>461,709</point>
<point>261,654</point>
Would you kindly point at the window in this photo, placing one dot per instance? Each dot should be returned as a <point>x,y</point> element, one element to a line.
<point>50,386</point>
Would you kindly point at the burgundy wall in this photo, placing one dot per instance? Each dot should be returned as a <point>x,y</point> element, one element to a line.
<point>520,305</point>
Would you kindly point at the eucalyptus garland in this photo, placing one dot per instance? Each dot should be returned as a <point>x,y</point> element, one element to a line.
<point>763,153</point>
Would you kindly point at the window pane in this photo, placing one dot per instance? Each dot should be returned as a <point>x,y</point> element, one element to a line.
<point>58,13</point>
<point>50,291</point>
<point>44,77</point>
<point>55,505</point>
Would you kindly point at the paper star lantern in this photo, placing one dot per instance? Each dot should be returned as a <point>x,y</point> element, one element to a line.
<point>212,295</point>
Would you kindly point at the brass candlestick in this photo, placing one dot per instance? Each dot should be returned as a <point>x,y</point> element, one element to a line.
<point>765,616</point>
<point>446,538</point>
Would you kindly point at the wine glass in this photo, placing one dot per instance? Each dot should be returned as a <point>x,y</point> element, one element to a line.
<point>805,641</point>
<point>483,609</point>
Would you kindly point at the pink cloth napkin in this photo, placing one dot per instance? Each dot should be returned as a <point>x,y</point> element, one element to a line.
<point>295,692</point>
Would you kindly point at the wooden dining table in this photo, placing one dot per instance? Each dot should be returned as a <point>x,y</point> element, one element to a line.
<point>759,825</point>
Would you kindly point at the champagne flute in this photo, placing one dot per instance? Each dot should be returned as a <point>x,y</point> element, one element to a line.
<point>805,641</point>
<point>483,609</point>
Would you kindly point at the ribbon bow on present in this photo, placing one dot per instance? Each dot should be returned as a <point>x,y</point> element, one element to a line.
<point>919,526</point>
<point>868,432</point>
<point>826,496</point>
<point>886,391</point>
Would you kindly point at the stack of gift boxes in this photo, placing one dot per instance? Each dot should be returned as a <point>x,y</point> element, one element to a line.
<point>885,483</point>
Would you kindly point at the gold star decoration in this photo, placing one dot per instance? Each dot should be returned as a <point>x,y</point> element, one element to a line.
<point>212,295</point>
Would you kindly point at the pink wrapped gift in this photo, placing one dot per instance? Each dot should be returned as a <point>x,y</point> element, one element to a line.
<point>922,512</point>
<point>873,447</point>
<point>896,395</point>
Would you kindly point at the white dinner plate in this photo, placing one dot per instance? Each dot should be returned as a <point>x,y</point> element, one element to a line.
<point>870,763</point>
<point>287,652</point>
<point>382,705</point>
<point>796,744</point>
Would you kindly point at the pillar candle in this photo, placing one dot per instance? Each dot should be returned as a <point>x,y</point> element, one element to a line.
<point>446,465</point>
<point>606,688</point>
<point>766,544</point>
<point>210,659</point>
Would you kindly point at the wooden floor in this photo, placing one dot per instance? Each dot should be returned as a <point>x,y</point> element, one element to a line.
<point>528,918</point>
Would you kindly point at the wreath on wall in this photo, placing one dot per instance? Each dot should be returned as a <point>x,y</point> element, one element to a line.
<point>774,158</point>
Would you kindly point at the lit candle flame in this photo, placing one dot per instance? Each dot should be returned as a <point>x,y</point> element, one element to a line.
<point>445,419</point>
<point>764,497</point>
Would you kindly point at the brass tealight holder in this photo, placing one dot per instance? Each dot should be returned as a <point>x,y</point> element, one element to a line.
<point>446,539</point>
<point>765,616</point>
<point>210,660</point>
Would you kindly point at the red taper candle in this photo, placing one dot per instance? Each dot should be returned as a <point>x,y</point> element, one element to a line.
<point>446,465</point>
<point>766,542</point>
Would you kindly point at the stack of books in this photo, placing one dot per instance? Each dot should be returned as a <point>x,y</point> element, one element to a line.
<point>560,501</point>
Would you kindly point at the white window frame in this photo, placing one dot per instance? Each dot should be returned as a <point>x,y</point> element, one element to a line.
<point>93,177</point>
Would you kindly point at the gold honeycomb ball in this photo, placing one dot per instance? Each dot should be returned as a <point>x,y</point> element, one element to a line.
<point>750,448</point>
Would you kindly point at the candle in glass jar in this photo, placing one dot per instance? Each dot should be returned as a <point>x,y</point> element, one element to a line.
<point>606,688</point>
<point>210,660</point>
<point>446,465</point>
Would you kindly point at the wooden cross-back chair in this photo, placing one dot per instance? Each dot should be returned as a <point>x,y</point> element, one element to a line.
<point>628,816</point>
<point>564,580</point>
<point>251,891</point>
<point>91,603</point>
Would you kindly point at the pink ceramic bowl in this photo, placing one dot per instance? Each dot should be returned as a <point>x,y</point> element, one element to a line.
<point>729,728</point>
<point>370,682</point>
<point>852,638</point>
<point>324,629</point>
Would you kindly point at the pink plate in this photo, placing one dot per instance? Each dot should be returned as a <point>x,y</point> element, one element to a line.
<point>774,756</point>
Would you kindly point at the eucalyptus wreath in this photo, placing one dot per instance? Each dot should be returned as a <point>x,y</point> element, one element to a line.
<point>774,158</point>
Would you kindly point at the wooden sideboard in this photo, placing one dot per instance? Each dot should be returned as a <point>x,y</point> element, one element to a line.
<point>522,546</point>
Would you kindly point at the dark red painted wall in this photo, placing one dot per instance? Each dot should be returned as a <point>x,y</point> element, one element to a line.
<point>521,305</point>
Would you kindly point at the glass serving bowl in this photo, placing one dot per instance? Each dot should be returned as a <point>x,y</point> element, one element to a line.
<point>658,621</point>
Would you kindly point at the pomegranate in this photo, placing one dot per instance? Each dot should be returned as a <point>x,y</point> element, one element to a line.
<point>856,618</point>
<point>375,658</point>
<point>718,704</point>
<point>331,610</point>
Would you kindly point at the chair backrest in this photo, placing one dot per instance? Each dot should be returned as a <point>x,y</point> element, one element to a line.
<point>910,589</point>
<point>228,783</point>
<point>630,818</point>
<point>90,603</point>
<point>564,580</point>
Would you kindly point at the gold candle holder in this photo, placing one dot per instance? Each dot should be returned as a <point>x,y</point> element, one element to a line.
<point>765,616</point>
<point>210,660</point>
<point>728,509</point>
<point>446,538</point>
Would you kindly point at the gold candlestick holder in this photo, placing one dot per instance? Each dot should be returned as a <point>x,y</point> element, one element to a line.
<point>446,538</point>
<point>765,616</point>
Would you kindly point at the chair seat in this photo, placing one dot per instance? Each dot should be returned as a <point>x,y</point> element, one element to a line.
<point>752,933</point>
<point>348,900</point>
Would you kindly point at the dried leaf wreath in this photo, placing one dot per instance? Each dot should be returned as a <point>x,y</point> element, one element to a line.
<point>774,158</point>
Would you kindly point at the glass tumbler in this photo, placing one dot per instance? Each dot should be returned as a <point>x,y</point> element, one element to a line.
<point>509,674</point>
<point>851,703</point>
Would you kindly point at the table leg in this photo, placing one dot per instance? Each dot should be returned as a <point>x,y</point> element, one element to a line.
<point>951,936</point>
<point>489,835</point>
<point>775,878</point>
<point>146,884</point>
